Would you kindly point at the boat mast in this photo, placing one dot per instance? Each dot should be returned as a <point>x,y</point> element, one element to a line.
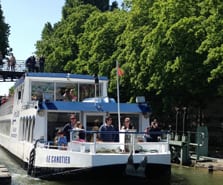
<point>118,99</point>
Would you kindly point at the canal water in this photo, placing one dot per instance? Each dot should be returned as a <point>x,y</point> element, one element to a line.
<point>180,176</point>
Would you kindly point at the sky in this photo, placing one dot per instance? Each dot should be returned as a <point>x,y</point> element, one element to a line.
<point>27,19</point>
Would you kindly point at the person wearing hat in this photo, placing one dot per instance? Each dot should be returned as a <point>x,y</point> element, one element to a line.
<point>61,140</point>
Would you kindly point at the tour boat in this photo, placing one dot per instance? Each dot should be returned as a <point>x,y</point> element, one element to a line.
<point>31,116</point>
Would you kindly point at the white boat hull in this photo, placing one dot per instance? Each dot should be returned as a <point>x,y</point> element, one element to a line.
<point>28,121</point>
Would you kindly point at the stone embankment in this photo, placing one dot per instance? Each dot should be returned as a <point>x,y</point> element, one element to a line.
<point>5,176</point>
<point>212,164</point>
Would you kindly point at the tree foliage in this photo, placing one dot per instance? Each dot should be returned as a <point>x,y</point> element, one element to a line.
<point>171,51</point>
<point>4,34</point>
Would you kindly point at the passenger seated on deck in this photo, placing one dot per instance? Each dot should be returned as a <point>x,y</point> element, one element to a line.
<point>66,95</point>
<point>62,140</point>
<point>73,97</point>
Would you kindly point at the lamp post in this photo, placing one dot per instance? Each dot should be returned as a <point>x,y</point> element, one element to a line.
<point>177,114</point>
<point>184,118</point>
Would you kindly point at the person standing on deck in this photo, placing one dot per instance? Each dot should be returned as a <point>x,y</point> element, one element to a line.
<point>41,63</point>
<point>69,126</point>
<point>107,130</point>
<point>127,124</point>
<point>28,64</point>
<point>66,95</point>
<point>127,127</point>
<point>81,133</point>
<point>152,133</point>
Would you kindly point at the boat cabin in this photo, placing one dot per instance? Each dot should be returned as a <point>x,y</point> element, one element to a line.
<point>43,102</point>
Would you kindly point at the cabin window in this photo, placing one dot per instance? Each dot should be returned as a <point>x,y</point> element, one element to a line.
<point>56,121</point>
<point>31,129</point>
<point>19,95</point>
<point>26,128</point>
<point>23,127</point>
<point>77,91</point>
<point>88,90</point>
<point>20,129</point>
<point>42,90</point>
<point>70,88</point>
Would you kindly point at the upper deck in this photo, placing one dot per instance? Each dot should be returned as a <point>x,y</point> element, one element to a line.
<point>58,87</point>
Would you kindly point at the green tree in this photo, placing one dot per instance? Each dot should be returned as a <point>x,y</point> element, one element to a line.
<point>98,42</point>
<point>69,6</point>
<point>129,51</point>
<point>102,5</point>
<point>212,45</point>
<point>4,34</point>
<point>59,43</point>
<point>171,51</point>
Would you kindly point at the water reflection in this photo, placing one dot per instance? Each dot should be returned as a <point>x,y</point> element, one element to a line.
<point>195,176</point>
<point>180,176</point>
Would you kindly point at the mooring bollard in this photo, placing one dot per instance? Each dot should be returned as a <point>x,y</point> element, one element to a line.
<point>210,168</point>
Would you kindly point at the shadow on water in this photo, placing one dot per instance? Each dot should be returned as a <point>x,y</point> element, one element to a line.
<point>195,176</point>
<point>99,182</point>
<point>23,179</point>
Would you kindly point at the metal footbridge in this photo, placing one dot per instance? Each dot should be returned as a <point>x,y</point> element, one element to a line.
<point>7,75</point>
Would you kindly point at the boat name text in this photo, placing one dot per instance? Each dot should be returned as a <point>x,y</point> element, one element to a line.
<point>57,159</point>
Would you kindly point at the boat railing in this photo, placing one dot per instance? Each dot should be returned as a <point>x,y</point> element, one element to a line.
<point>29,104</point>
<point>128,142</point>
<point>19,66</point>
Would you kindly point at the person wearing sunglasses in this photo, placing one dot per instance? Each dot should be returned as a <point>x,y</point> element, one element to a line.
<point>69,126</point>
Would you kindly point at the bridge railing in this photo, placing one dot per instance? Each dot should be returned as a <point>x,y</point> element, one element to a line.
<point>19,67</point>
